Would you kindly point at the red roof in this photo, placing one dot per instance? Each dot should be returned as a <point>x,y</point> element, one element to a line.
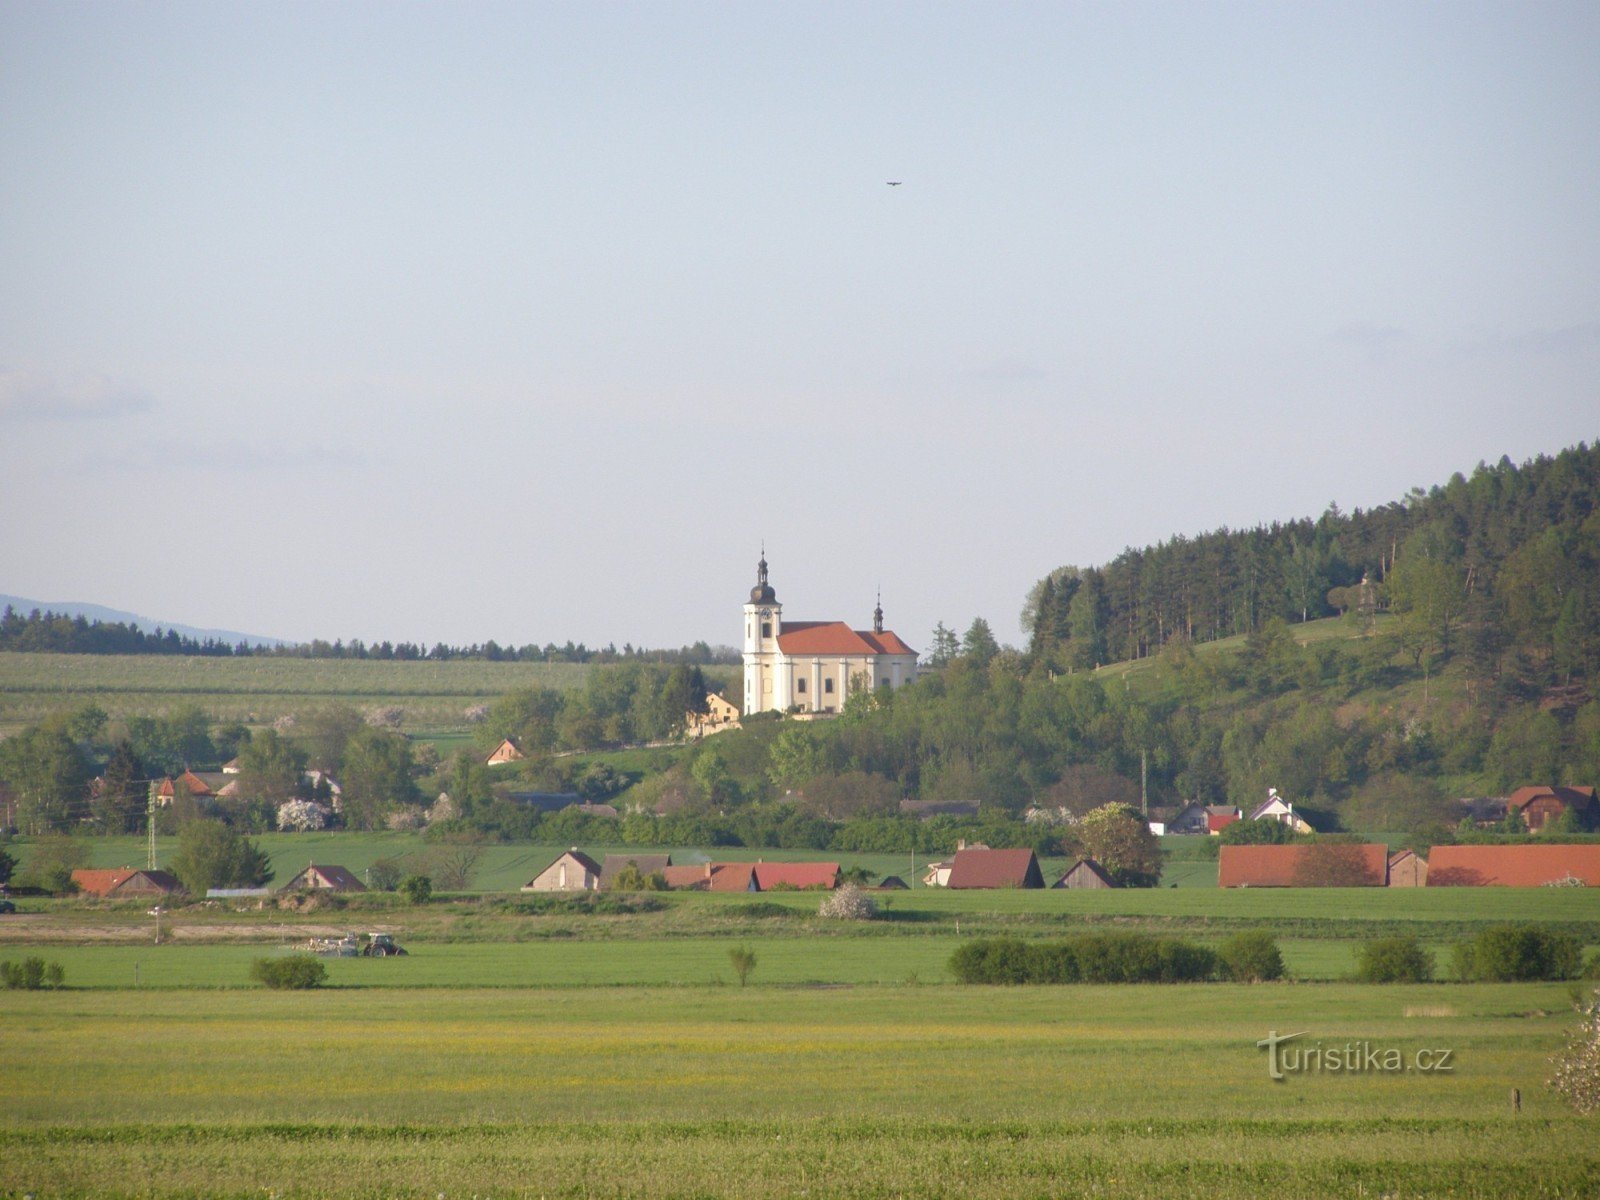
<point>1296,866</point>
<point>1512,866</point>
<point>797,875</point>
<point>733,877</point>
<point>836,638</point>
<point>100,883</point>
<point>110,882</point>
<point>995,869</point>
<point>1217,822</point>
<point>697,876</point>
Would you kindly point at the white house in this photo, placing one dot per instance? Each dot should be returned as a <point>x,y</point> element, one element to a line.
<point>573,871</point>
<point>1276,808</point>
<point>809,666</point>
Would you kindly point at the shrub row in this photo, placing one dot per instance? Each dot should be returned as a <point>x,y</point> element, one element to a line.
<point>1115,958</point>
<point>31,974</point>
<point>1506,953</point>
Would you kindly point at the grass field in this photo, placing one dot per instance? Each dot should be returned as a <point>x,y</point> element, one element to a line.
<point>781,1091</point>
<point>434,695</point>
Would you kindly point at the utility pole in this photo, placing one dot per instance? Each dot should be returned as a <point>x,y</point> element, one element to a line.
<point>1144,783</point>
<point>150,819</point>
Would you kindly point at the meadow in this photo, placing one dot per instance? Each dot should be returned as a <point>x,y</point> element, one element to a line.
<point>781,1090</point>
<point>256,691</point>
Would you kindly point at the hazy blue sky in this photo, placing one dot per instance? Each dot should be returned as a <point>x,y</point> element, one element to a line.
<point>531,321</point>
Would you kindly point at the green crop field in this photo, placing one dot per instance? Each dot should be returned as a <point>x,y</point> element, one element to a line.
<point>782,1091</point>
<point>433,695</point>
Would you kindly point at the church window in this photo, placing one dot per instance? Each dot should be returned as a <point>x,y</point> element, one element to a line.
<point>827,686</point>
<point>766,629</point>
<point>800,686</point>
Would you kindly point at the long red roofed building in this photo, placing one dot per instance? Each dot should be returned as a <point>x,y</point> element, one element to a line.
<point>1514,866</point>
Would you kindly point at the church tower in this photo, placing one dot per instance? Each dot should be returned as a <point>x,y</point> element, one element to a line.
<point>763,621</point>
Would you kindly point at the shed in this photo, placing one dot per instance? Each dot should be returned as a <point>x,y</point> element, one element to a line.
<point>1538,806</point>
<point>1407,868</point>
<point>1514,866</point>
<point>1086,873</point>
<point>893,883</point>
<point>1321,864</point>
<point>320,878</point>
<point>572,871</point>
<point>995,869</point>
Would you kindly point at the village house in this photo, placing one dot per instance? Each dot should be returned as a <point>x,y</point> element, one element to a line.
<point>1276,808</point>
<point>720,715</point>
<point>505,752</point>
<point>1538,806</point>
<point>324,879</point>
<point>572,871</point>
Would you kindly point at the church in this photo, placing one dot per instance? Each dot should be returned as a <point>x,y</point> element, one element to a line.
<point>808,665</point>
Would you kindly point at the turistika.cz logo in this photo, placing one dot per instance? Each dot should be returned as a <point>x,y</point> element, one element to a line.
<point>1348,1058</point>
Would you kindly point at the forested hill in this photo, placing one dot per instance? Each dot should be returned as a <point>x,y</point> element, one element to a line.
<point>1510,549</point>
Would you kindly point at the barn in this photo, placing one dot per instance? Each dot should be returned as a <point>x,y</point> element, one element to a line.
<point>572,871</point>
<point>324,879</point>
<point>995,869</point>
<point>1514,866</point>
<point>126,883</point>
<point>1086,873</point>
<point>1320,864</point>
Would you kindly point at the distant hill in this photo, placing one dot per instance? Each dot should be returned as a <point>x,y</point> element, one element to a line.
<point>113,616</point>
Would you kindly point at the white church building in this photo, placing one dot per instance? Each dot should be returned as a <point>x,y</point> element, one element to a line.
<point>808,665</point>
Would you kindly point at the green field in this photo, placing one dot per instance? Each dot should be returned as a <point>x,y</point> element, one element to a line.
<point>256,691</point>
<point>780,1091</point>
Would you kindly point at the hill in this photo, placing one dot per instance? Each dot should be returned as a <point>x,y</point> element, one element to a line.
<point>115,616</point>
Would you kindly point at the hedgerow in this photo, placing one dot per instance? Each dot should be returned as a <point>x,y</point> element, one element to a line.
<point>1085,958</point>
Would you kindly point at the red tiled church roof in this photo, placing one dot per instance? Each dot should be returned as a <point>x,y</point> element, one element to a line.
<point>836,638</point>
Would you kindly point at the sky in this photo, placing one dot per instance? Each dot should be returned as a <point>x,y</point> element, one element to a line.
<point>536,321</point>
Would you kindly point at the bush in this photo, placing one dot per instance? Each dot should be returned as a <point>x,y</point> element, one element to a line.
<point>1087,958</point>
<point>385,874</point>
<point>1576,1077</point>
<point>417,889</point>
<point>849,903</point>
<point>1508,953</point>
<point>296,972</point>
<point>31,974</point>
<point>1394,960</point>
<point>1250,957</point>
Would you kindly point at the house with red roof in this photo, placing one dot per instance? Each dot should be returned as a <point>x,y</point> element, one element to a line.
<point>1514,866</point>
<point>126,883</point>
<point>802,876</point>
<point>324,879</point>
<point>1539,805</point>
<point>995,869</point>
<point>812,666</point>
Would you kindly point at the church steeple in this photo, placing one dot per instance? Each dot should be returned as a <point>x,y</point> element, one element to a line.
<point>762,593</point>
<point>877,614</point>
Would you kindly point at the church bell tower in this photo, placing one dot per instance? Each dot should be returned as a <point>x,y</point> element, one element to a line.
<point>763,618</point>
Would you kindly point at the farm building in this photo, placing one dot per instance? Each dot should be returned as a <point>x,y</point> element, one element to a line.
<point>1538,806</point>
<point>1325,864</point>
<point>505,752</point>
<point>801,876</point>
<point>327,879</point>
<point>126,882</point>
<point>995,869</point>
<point>733,877</point>
<point>1407,868</point>
<point>893,883</point>
<point>1086,873</point>
<point>646,864</point>
<point>572,871</point>
<point>1514,866</point>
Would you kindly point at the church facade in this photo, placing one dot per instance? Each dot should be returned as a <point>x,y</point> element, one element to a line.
<point>809,666</point>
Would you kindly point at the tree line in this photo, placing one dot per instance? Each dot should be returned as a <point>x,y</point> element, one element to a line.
<point>57,633</point>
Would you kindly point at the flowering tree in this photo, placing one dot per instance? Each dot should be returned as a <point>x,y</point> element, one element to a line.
<point>302,816</point>
<point>1577,1066</point>
<point>849,903</point>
